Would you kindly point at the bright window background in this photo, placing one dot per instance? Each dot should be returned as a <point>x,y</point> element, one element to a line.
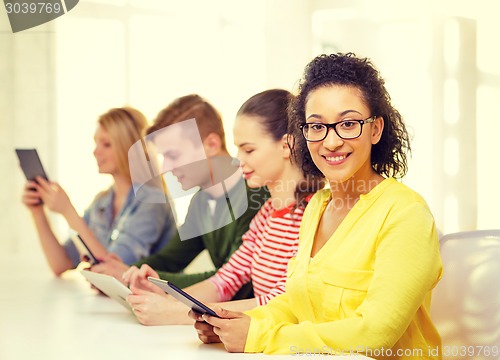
<point>440,63</point>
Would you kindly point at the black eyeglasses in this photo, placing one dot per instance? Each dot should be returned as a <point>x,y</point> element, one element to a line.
<point>345,129</point>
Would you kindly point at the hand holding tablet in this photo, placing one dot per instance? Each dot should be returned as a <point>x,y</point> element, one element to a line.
<point>109,286</point>
<point>84,250</point>
<point>30,163</point>
<point>182,296</point>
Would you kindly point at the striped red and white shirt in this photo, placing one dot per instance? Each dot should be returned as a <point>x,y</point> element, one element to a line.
<point>271,240</point>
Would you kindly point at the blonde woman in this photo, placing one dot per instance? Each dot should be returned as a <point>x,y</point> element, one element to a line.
<point>118,221</point>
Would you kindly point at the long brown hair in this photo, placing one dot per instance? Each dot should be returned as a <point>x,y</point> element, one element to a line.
<point>270,108</point>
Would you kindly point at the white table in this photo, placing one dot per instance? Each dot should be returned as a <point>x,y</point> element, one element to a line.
<point>43,317</point>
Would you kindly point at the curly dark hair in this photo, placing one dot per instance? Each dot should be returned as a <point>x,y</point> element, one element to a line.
<point>389,155</point>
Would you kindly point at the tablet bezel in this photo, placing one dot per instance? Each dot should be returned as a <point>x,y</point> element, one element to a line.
<point>83,249</point>
<point>182,296</point>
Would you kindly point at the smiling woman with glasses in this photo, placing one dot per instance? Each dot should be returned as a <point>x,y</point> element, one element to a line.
<point>368,253</point>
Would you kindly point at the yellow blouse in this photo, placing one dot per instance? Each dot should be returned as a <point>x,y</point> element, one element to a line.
<point>368,289</point>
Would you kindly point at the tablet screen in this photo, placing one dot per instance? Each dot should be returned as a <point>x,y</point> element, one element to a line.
<point>84,250</point>
<point>182,296</point>
<point>31,164</point>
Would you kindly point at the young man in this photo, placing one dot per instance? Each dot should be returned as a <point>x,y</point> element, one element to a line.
<point>219,213</point>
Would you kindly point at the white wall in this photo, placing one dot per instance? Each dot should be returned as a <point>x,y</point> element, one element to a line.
<point>27,119</point>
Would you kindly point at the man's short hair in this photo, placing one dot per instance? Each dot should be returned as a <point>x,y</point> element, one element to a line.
<point>208,119</point>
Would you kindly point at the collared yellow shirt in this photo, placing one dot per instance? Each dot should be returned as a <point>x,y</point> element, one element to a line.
<point>367,290</point>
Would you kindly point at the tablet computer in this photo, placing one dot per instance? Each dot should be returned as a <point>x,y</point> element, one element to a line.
<point>182,296</point>
<point>84,250</point>
<point>30,164</point>
<point>109,286</point>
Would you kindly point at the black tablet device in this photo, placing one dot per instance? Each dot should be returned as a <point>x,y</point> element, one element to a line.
<point>182,296</point>
<point>84,250</point>
<point>31,164</point>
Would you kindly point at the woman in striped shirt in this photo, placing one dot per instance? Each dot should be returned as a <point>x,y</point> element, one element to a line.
<point>260,133</point>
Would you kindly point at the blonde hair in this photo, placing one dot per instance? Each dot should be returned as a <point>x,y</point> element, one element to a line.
<point>125,126</point>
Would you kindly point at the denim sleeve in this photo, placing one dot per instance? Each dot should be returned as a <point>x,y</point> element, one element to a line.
<point>139,229</point>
